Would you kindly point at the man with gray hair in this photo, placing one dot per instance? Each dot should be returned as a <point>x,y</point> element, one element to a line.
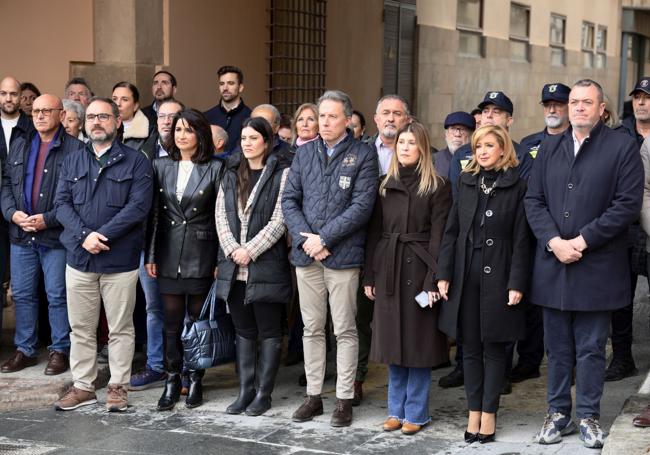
<point>77,89</point>
<point>219,138</point>
<point>272,115</point>
<point>585,190</point>
<point>327,202</point>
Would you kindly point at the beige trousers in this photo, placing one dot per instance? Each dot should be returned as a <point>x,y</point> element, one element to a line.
<point>314,283</point>
<point>85,292</point>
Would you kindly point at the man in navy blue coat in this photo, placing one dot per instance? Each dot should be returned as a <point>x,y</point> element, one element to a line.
<point>585,190</point>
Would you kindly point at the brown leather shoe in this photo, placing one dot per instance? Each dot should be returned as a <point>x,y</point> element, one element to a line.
<point>342,415</point>
<point>17,362</point>
<point>643,419</point>
<point>358,393</point>
<point>312,407</point>
<point>410,428</point>
<point>57,364</point>
<point>392,424</point>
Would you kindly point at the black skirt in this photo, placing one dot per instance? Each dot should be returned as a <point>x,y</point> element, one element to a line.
<point>180,286</point>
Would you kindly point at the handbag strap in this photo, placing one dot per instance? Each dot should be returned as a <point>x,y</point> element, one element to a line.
<point>210,302</point>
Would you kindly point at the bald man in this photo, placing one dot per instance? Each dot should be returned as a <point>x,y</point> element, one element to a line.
<point>27,201</point>
<point>14,122</point>
<point>219,138</point>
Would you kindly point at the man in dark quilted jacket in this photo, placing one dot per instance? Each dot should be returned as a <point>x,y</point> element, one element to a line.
<point>327,202</point>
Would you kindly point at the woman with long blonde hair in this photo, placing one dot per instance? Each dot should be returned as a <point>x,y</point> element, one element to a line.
<point>403,239</point>
<point>483,271</point>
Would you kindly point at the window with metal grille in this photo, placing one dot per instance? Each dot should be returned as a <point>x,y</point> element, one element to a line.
<point>296,52</point>
<point>399,48</point>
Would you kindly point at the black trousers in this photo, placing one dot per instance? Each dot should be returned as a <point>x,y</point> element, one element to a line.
<point>484,363</point>
<point>251,320</point>
<point>622,323</point>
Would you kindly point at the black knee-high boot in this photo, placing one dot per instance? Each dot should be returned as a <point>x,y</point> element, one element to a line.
<point>270,350</point>
<point>246,360</point>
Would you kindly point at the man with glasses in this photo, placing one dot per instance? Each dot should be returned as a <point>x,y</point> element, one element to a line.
<point>459,126</point>
<point>77,89</point>
<point>154,374</point>
<point>163,88</point>
<point>102,201</point>
<point>28,189</point>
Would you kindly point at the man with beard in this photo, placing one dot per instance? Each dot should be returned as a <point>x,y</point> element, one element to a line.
<point>231,110</point>
<point>637,127</point>
<point>163,88</point>
<point>530,350</point>
<point>153,374</point>
<point>102,201</point>
<point>555,98</point>
<point>14,122</point>
<point>391,115</point>
<point>459,126</point>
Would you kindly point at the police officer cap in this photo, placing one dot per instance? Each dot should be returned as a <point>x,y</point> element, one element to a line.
<point>643,85</point>
<point>555,92</point>
<point>499,99</point>
<point>460,118</point>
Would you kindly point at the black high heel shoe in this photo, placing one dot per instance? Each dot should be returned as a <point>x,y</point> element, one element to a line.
<point>485,438</point>
<point>471,437</point>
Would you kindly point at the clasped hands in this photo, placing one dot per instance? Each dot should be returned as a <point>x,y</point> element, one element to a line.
<point>568,251</point>
<point>313,246</point>
<point>33,223</point>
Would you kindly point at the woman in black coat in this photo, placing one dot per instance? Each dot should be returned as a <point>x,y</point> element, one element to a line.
<point>483,271</point>
<point>254,276</point>
<point>181,250</point>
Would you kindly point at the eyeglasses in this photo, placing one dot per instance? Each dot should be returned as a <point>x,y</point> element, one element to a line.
<point>101,117</point>
<point>166,116</point>
<point>458,130</point>
<point>45,111</point>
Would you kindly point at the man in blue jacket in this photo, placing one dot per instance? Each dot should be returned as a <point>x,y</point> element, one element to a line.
<point>585,190</point>
<point>327,202</point>
<point>103,199</point>
<point>28,188</point>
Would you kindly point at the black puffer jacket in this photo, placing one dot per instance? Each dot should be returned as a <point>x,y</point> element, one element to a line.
<point>332,197</point>
<point>184,234</point>
<point>269,275</point>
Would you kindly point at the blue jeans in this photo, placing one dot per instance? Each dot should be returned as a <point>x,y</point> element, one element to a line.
<point>408,394</point>
<point>576,337</point>
<point>155,319</point>
<point>25,263</point>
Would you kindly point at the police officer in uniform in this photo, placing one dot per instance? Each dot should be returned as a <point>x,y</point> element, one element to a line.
<point>555,100</point>
<point>636,126</point>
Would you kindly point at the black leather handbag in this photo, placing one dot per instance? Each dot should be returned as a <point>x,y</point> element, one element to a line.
<point>210,341</point>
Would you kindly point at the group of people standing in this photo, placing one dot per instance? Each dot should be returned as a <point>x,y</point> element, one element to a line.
<point>405,247</point>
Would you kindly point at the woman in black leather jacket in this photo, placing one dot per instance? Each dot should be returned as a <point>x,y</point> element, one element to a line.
<point>182,245</point>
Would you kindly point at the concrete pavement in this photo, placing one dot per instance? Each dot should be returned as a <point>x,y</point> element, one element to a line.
<point>143,430</point>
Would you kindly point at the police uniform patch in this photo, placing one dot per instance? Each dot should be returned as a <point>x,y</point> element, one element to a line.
<point>349,160</point>
<point>344,182</point>
<point>493,95</point>
<point>533,151</point>
<point>552,88</point>
<point>464,163</point>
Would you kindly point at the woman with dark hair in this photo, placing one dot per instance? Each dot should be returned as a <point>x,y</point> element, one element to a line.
<point>181,250</point>
<point>254,276</point>
<point>28,93</point>
<point>135,124</point>
<point>483,270</point>
<point>404,235</point>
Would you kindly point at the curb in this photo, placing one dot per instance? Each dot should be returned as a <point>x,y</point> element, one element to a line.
<point>624,437</point>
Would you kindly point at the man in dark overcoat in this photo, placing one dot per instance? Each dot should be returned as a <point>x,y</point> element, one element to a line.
<point>585,190</point>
